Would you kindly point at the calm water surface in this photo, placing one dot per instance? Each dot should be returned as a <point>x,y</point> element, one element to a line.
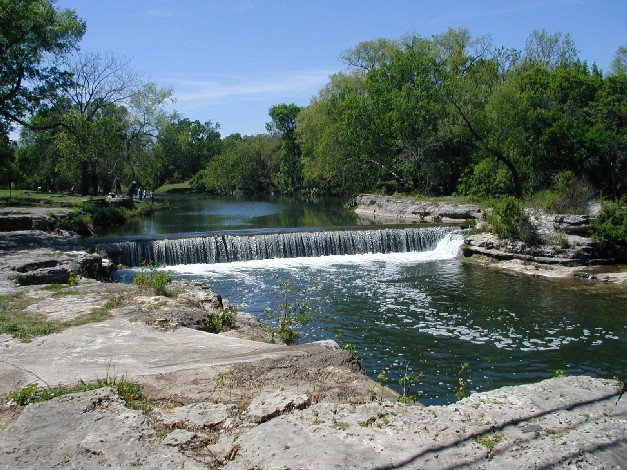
<point>425,313</point>
<point>198,213</point>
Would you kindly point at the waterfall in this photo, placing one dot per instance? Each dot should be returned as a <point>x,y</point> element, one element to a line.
<point>228,248</point>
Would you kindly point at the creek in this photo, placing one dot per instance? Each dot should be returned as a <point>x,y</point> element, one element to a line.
<point>400,294</point>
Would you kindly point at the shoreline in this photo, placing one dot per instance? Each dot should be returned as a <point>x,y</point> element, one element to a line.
<point>487,250</point>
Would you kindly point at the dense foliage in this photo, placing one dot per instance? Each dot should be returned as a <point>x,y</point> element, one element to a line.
<point>437,116</point>
<point>610,228</point>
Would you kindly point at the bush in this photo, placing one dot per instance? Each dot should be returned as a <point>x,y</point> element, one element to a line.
<point>221,320</point>
<point>510,221</point>
<point>157,280</point>
<point>78,222</point>
<point>487,178</point>
<point>610,227</point>
<point>293,312</point>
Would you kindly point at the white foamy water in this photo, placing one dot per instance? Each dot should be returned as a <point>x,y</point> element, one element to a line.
<point>447,248</point>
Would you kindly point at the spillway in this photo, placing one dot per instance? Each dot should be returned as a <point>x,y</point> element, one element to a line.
<point>227,248</point>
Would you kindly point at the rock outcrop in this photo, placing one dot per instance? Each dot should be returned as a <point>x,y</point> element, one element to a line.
<point>412,210</point>
<point>17,218</point>
<point>574,422</point>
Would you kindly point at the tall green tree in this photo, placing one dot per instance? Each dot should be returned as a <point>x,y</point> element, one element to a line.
<point>619,62</point>
<point>244,165</point>
<point>108,118</point>
<point>550,50</point>
<point>290,175</point>
<point>32,34</point>
<point>185,147</point>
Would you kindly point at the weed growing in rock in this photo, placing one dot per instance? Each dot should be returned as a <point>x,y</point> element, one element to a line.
<point>489,442</point>
<point>462,383</point>
<point>155,280</point>
<point>130,392</point>
<point>227,379</point>
<point>73,280</point>
<point>406,381</point>
<point>292,311</point>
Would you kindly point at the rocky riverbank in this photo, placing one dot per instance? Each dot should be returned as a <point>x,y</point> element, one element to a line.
<point>234,400</point>
<point>566,250</point>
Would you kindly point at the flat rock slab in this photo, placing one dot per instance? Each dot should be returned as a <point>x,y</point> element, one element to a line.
<point>573,422</point>
<point>266,406</point>
<point>118,346</point>
<point>199,416</point>
<point>410,209</point>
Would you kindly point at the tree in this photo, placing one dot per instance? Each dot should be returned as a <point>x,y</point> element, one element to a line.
<point>283,124</point>
<point>186,147</point>
<point>32,34</point>
<point>243,165</point>
<point>107,119</point>
<point>550,50</point>
<point>8,168</point>
<point>619,63</point>
<point>368,55</point>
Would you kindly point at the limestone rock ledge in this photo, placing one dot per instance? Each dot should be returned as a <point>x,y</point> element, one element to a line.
<point>408,209</point>
<point>573,422</point>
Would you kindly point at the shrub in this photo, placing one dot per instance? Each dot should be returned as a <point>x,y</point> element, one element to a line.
<point>156,280</point>
<point>78,222</point>
<point>293,311</point>
<point>610,227</point>
<point>510,221</point>
<point>221,320</point>
<point>487,178</point>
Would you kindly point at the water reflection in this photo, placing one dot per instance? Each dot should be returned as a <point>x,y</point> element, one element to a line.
<point>195,213</point>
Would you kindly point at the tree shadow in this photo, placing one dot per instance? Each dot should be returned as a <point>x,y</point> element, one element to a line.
<point>490,430</point>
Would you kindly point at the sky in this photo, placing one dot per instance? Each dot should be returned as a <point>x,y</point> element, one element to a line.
<point>229,61</point>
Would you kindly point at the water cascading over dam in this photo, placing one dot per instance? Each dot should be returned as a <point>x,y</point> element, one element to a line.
<point>229,248</point>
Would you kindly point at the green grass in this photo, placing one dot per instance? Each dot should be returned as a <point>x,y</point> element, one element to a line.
<point>174,187</point>
<point>130,392</point>
<point>25,326</point>
<point>28,198</point>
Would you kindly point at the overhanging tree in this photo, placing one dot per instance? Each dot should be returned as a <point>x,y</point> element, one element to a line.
<point>32,35</point>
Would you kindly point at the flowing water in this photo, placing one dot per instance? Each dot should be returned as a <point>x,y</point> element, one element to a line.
<point>404,299</point>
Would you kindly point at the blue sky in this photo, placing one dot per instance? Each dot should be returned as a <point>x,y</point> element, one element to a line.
<point>229,61</point>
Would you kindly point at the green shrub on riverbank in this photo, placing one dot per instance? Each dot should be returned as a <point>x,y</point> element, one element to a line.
<point>510,221</point>
<point>610,227</point>
<point>155,280</point>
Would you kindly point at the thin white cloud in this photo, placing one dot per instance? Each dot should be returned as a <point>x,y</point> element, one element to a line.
<point>161,13</point>
<point>196,93</point>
